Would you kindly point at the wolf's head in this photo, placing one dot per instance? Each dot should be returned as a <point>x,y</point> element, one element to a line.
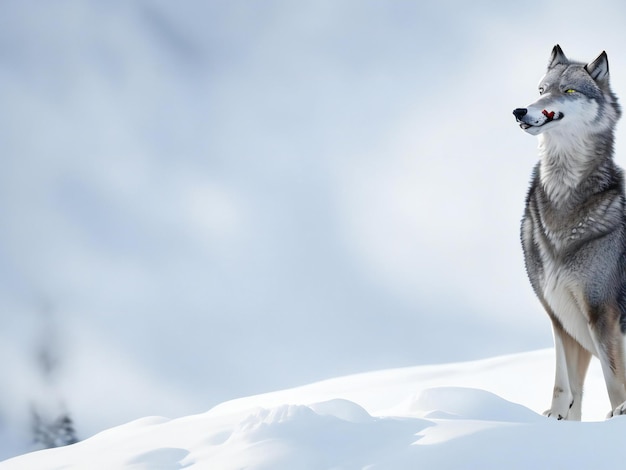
<point>575,98</point>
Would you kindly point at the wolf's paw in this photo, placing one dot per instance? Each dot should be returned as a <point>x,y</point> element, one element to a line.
<point>561,410</point>
<point>620,410</point>
<point>553,414</point>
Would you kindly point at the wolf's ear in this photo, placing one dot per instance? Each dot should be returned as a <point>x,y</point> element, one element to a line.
<point>599,68</point>
<point>557,57</point>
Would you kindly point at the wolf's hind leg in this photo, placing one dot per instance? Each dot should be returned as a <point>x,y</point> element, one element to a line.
<point>609,342</point>
<point>572,362</point>
<point>620,409</point>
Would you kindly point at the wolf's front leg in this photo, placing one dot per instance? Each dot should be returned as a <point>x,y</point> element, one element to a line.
<point>562,397</point>
<point>572,361</point>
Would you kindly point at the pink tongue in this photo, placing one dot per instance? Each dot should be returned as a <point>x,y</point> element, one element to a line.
<point>549,115</point>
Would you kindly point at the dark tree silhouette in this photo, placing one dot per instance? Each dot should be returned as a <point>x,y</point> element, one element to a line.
<point>49,430</point>
<point>55,433</point>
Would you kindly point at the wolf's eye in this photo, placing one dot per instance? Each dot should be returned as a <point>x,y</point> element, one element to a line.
<point>541,90</point>
<point>569,91</point>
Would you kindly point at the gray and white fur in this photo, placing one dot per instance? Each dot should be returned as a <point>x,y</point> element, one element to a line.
<point>574,227</point>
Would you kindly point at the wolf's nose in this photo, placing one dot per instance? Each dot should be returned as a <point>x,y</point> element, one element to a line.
<point>519,113</point>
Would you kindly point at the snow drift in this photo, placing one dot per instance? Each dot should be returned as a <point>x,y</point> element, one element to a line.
<point>482,414</point>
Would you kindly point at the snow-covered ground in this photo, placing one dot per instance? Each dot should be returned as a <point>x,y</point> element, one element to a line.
<point>474,415</point>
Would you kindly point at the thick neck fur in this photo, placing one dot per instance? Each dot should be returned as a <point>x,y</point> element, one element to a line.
<point>567,161</point>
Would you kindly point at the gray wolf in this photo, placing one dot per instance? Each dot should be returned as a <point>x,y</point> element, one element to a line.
<point>573,230</point>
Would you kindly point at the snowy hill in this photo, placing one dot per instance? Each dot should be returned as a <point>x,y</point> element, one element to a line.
<point>481,414</point>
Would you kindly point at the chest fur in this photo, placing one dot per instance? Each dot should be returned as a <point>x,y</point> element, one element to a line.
<point>564,292</point>
<point>560,259</point>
